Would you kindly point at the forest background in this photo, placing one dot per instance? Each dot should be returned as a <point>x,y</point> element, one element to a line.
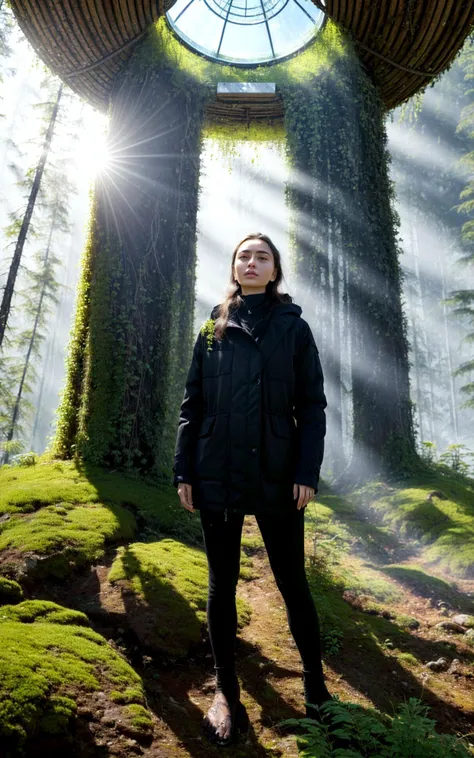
<point>430,142</point>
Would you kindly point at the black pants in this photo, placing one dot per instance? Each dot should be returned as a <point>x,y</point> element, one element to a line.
<point>283,536</point>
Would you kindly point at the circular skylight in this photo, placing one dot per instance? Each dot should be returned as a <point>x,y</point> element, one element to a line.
<point>245,32</point>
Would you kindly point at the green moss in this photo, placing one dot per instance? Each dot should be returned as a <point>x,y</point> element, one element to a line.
<point>155,504</point>
<point>247,573</point>
<point>68,411</point>
<point>377,515</point>
<point>350,527</point>
<point>252,543</point>
<point>422,583</point>
<point>10,591</point>
<point>67,537</point>
<point>26,490</point>
<point>44,665</point>
<point>408,658</point>
<point>68,483</point>
<point>171,578</point>
<point>327,46</point>
<point>139,717</point>
<point>32,611</point>
<point>407,622</point>
<point>368,583</point>
<point>130,695</point>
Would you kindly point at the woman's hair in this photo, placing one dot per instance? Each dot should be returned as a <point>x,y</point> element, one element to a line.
<point>233,291</point>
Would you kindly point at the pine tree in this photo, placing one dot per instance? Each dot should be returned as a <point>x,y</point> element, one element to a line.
<point>37,299</point>
<point>24,225</point>
<point>463,299</point>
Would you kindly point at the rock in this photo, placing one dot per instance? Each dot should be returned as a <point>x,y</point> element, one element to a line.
<point>133,745</point>
<point>470,634</point>
<point>30,562</point>
<point>5,517</point>
<point>174,703</point>
<point>85,712</point>
<point>130,731</point>
<point>440,665</point>
<point>455,667</point>
<point>108,719</point>
<point>464,619</point>
<point>450,626</point>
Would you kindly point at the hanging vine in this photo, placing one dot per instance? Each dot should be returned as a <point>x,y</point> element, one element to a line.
<point>342,203</point>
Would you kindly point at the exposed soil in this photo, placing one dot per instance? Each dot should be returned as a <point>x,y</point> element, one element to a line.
<point>180,692</point>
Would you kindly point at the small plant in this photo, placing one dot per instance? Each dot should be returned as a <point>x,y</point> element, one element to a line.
<point>26,459</point>
<point>207,329</point>
<point>457,457</point>
<point>332,641</point>
<point>428,451</point>
<point>370,734</point>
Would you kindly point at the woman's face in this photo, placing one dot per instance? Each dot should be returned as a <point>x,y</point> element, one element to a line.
<point>254,266</point>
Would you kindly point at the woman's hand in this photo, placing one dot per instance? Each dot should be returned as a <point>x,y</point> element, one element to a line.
<point>305,494</point>
<point>185,493</point>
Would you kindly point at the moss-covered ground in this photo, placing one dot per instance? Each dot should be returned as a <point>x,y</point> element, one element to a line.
<point>168,582</point>
<point>48,656</point>
<point>133,675</point>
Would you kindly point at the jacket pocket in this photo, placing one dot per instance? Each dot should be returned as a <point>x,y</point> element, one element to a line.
<point>281,426</point>
<point>217,361</point>
<point>211,448</point>
<point>207,426</point>
<point>279,449</point>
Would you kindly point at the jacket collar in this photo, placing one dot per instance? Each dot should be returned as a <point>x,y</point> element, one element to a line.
<point>283,317</point>
<point>278,310</point>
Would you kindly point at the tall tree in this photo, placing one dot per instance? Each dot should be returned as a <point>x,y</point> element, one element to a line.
<point>38,298</point>
<point>132,334</point>
<point>426,148</point>
<point>26,219</point>
<point>463,299</point>
<point>346,251</point>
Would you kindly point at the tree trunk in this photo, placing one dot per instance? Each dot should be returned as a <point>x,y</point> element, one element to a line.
<point>345,122</point>
<point>16,408</point>
<point>15,264</point>
<point>133,332</point>
<point>451,378</point>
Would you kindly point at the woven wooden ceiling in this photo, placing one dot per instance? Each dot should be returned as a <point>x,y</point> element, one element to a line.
<point>403,43</point>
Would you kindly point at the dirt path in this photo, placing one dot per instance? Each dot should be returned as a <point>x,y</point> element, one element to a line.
<point>270,673</point>
<point>180,692</point>
<point>269,669</point>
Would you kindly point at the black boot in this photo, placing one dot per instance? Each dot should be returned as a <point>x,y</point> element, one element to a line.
<point>315,692</point>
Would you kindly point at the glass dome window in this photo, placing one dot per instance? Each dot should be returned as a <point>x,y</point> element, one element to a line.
<point>245,32</point>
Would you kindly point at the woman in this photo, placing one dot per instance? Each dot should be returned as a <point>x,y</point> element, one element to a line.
<point>254,372</point>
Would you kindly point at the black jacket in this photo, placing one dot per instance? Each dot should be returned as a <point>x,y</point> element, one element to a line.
<point>237,442</point>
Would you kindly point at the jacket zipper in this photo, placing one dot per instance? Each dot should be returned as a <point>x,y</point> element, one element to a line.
<point>225,514</point>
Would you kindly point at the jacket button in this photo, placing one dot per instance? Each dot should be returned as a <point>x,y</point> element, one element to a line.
<point>254,450</point>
